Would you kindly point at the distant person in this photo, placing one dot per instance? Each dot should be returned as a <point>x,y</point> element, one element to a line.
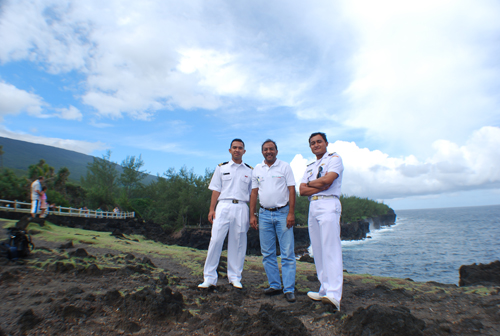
<point>36,193</point>
<point>85,211</point>
<point>43,203</point>
<point>116,211</point>
<point>322,181</point>
<point>98,212</point>
<point>273,182</point>
<point>230,185</point>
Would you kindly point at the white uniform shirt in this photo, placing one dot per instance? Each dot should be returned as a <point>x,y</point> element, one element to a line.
<point>35,186</point>
<point>233,181</point>
<point>273,183</point>
<point>328,163</point>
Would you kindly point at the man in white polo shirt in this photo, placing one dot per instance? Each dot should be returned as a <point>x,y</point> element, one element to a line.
<point>273,181</point>
<point>322,182</point>
<point>231,186</point>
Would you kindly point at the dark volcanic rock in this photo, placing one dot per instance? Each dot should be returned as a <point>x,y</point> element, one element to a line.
<point>163,305</point>
<point>268,321</point>
<point>128,326</point>
<point>8,277</point>
<point>28,320</point>
<point>482,274</point>
<point>72,312</point>
<point>67,245</point>
<point>380,320</point>
<point>354,230</point>
<point>79,253</point>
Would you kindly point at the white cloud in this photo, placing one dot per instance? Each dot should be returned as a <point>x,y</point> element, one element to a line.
<point>423,70</point>
<point>84,147</point>
<point>70,113</point>
<point>14,101</point>
<point>140,57</point>
<point>452,168</point>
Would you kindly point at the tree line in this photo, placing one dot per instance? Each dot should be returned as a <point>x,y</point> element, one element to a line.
<point>175,199</point>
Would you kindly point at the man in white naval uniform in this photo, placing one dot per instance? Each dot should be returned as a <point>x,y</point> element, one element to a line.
<point>322,181</point>
<point>231,186</point>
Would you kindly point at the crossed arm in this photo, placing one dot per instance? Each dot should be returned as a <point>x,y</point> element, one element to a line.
<point>315,186</point>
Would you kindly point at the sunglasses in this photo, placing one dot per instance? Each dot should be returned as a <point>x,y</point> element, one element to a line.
<point>319,172</point>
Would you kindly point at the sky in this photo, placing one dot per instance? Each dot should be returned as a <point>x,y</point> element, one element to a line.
<point>408,92</point>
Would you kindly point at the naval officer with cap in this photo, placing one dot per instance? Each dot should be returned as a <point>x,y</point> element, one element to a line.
<point>322,181</point>
<point>231,186</point>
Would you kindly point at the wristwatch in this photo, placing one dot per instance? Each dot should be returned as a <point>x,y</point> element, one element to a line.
<point>307,184</point>
<point>256,213</point>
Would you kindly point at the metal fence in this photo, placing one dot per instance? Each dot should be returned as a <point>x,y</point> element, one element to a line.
<point>17,206</point>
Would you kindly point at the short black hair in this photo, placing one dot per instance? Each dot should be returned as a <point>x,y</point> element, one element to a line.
<point>40,177</point>
<point>268,140</point>
<point>323,135</point>
<point>239,140</point>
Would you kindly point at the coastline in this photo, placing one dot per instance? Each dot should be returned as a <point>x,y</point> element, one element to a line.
<point>109,284</point>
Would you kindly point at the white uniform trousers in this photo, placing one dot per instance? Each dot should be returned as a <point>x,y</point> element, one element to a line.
<point>235,218</point>
<point>324,232</point>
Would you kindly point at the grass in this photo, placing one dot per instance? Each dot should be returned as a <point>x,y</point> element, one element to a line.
<point>193,259</point>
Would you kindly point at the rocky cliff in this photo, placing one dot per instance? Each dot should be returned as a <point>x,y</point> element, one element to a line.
<point>199,238</point>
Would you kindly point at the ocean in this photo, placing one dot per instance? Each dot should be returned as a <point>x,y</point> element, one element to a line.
<point>428,244</point>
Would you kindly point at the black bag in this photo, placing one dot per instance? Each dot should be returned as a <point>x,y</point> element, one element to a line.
<point>19,244</point>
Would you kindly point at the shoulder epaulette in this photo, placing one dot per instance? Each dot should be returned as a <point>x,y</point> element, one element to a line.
<point>333,154</point>
<point>310,164</point>
<point>246,164</point>
<point>223,163</point>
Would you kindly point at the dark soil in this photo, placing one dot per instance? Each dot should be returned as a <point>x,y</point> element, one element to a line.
<point>83,290</point>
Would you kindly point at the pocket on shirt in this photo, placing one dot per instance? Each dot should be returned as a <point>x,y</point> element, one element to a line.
<point>246,178</point>
<point>226,177</point>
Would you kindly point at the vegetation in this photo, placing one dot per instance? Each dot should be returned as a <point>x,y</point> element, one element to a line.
<point>355,208</point>
<point>176,199</point>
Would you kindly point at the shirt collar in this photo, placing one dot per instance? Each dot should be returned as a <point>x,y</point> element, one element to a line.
<point>275,164</point>
<point>231,162</point>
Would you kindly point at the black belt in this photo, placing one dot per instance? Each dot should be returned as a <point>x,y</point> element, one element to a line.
<point>274,209</point>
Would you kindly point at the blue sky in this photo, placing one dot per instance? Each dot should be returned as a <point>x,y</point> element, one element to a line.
<point>407,92</point>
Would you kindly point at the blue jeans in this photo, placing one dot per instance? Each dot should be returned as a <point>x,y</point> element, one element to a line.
<point>272,224</point>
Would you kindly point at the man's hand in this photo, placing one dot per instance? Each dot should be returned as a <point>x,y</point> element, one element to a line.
<point>211,216</point>
<point>253,222</point>
<point>290,220</point>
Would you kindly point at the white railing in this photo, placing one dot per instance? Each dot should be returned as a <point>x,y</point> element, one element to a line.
<point>17,206</point>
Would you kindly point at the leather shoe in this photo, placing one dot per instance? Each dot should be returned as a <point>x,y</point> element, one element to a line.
<point>237,284</point>
<point>272,291</point>
<point>290,297</point>
<point>332,301</point>
<point>314,295</point>
<point>205,284</point>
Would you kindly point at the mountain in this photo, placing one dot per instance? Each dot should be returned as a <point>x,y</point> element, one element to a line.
<point>19,155</point>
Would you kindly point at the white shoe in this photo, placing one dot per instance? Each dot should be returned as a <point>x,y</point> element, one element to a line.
<point>314,295</point>
<point>332,301</point>
<point>205,284</point>
<point>237,284</point>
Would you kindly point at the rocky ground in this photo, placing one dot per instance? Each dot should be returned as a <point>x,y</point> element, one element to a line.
<point>86,283</point>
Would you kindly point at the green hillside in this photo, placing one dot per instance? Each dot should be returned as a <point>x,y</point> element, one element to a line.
<point>19,155</point>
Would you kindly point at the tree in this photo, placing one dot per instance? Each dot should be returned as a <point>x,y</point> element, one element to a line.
<point>101,182</point>
<point>12,187</point>
<point>1,156</point>
<point>178,199</point>
<point>61,179</point>
<point>41,169</point>
<point>132,174</point>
